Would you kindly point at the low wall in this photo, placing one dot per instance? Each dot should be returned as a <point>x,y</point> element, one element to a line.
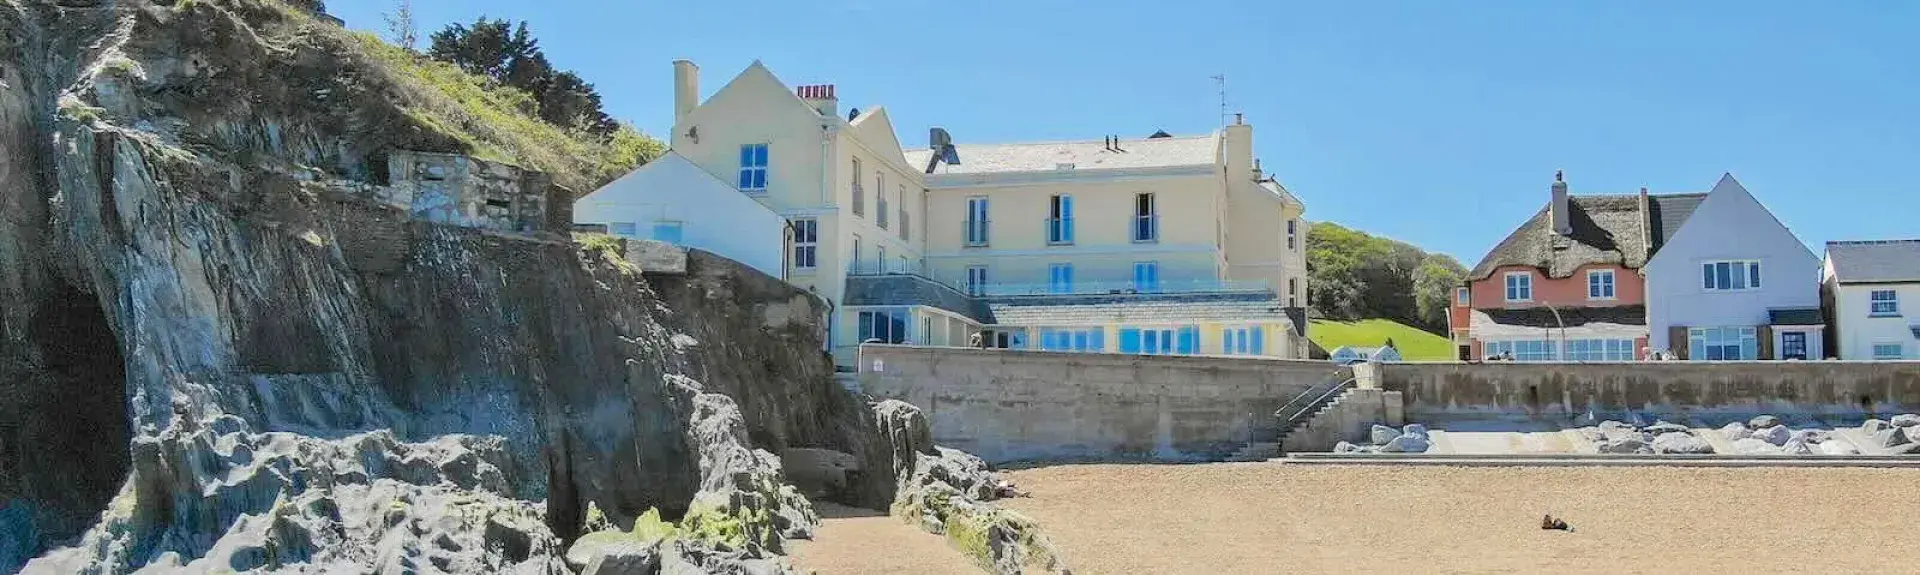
<point>1549,392</point>
<point>1006,405</point>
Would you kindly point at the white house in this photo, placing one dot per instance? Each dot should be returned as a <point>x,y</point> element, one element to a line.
<point>1733,283</point>
<point>672,200</point>
<point>1869,287</point>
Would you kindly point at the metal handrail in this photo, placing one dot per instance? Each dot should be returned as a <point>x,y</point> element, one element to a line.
<point>1331,392</point>
<point>1310,390</point>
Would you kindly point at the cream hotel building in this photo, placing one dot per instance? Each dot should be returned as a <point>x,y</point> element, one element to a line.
<point>1161,244</point>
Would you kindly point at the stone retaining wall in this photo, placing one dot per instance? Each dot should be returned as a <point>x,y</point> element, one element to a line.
<point>1839,390</point>
<point>1006,405</point>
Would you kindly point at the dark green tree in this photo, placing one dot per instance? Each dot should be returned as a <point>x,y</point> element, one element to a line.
<point>1352,275</point>
<point>508,53</point>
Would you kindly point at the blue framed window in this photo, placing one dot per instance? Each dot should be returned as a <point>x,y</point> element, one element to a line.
<point>1079,339</point>
<point>1884,351</point>
<point>1060,278</point>
<point>1146,276</point>
<point>1243,341</point>
<point>1060,220</point>
<point>753,168</point>
<point>1525,350</point>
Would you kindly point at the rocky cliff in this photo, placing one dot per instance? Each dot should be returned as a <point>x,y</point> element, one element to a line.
<point>217,352</point>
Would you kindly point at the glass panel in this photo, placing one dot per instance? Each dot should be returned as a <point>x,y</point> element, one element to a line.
<point>1753,275</point>
<point>760,155</point>
<point>746,156</point>
<point>1723,274</point>
<point>1708,270</point>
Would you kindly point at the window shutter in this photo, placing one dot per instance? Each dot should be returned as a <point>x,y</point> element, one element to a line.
<point>1189,341</point>
<point>1259,346</point>
<point>1678,342</point>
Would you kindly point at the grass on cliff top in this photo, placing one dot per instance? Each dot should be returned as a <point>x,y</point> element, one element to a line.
<point>499,123</point>
<point>1414,343</point>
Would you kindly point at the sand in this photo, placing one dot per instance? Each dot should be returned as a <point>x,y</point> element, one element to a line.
<point>1274,518</point>
<point>1277,518</point>
<point>858,541</point>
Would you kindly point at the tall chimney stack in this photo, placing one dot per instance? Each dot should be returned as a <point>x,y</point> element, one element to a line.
<point>686,89</point>
<point>1562,216</point>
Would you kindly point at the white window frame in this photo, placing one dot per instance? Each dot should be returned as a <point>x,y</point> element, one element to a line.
<point>1060,220</point>
<point>1293,292</point>
<point>1900,351</point>
<point>1747,280</point>
<point>1602,290</point>
<point>859,191</point>
<point>1513,288</point>
<point>754,164</point>
<point>1892,303</point>
<point>806,243</point>
<point>1462,297</point>
<point>1745,338</point>
<point>1293,235</point>
<point>880,198</point>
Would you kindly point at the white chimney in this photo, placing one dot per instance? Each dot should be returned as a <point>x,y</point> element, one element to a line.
<point>686,89</point>
<point>1562,217</point>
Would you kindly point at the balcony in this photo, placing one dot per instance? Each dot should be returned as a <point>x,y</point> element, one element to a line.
<point>887,268</point>
<point>1059,231</point>
<point>976,233</point>
<point>1146,229</point>
<point>1119,288</point>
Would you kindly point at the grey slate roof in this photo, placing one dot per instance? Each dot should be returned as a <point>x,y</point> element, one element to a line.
<point>1084,155</point>
<point>914,290</point>
<point>1606,230</point>
<point>1795,316</point>
<point>1180,308</point>
<point>1879,261</point>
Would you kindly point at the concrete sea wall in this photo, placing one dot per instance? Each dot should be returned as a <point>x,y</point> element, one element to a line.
<point>1440,393</point>
<point>1006,405</point>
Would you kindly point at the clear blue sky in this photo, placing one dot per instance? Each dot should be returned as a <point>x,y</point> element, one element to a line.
<point>1437,123</point>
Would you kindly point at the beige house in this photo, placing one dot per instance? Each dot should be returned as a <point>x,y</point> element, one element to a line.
<point>1157,245</point>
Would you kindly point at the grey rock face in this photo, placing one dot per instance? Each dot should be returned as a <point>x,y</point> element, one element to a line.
<point>1680,442</point>
<point>1905,420</point>
<point>1625,445</point>
<point>1890,437</point>
<point>1763,421</point>
<point>1661,428</point>
<point>1406,444</point>
<point>1416,430</point>
<point>949,492</point>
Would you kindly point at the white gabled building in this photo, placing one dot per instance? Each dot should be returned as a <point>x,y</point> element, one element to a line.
<point>1870,290</point>
<point>672,200</point>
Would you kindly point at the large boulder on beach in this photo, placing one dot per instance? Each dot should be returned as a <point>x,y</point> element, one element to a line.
<point>1382,434</point>
<point>1626,445</point>
<point>1796,446</point>
<point>1406,444</point>
<point>1736,431</point>
<point>1889,437</point>
<point>1777,435</point>
<point>1665,427</point>
<point>1906,420</point>
<point>1680,442</point>
<point>1837,448</point>
<point>1416,429</point>
<point>1874,426</point>
<point>1761,421</point>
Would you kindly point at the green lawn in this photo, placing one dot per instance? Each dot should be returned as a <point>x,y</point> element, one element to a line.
<point>1414,344</point>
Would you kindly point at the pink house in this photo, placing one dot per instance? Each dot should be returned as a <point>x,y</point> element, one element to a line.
<point>1567,284</point>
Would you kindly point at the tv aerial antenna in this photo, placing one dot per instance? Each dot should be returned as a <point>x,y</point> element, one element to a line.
<point>1221,81</point>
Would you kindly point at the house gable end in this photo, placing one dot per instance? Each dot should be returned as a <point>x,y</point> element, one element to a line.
<point>1733,224</point>
<point>755,86</point>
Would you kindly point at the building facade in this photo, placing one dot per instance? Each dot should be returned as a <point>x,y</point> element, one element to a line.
<point>672,200</point>
<point>1568,284</point>
<point>1733,283</point>
<point>1155,245</point>
<point>1868,290</point>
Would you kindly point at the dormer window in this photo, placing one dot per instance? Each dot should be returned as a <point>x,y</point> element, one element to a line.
<point>1519,286</point>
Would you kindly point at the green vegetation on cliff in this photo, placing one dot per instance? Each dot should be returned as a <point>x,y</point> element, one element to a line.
<point>1352,276</point>
<point>501,123</point>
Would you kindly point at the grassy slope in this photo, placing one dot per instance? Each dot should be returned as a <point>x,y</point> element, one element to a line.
<point>1414,344</point>
<point>498,123</point>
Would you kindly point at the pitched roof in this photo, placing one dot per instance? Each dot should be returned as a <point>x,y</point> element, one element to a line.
<point>1667,212</point>
<point>1878,261</point>
<point>1169,309</point>
<point>905,289</point>
<point>1606,230</point>
<point>1083,155</point>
